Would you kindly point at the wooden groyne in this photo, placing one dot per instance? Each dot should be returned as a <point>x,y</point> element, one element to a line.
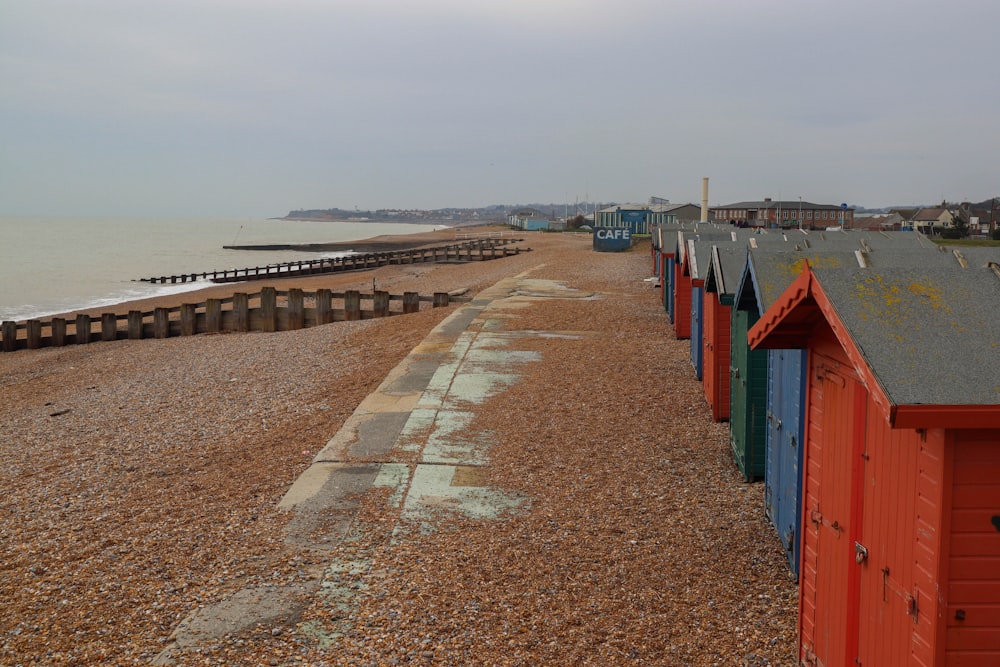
<point>466,251</point>
<point>268,310</point>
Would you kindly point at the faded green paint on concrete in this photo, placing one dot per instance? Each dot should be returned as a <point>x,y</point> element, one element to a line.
<point>486,354</point>
<point>395,476</point>
<point>445,446</point>
<point>432,491</point>
<point>414,433</point>
<point>423,412</point>
<point>341,584</point>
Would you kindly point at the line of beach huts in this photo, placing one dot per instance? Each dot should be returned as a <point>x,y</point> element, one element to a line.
<point>860,376</point>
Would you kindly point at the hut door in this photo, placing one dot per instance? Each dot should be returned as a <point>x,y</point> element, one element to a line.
<point>830,584</point>
<point>709,370</point>
<point>740,431</point>
<point>785,401</point>
<point>889,611</point>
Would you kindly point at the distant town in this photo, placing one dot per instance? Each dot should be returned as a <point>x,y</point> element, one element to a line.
<point>947,219</point>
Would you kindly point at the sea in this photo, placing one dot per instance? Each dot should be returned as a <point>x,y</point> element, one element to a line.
<point>51,265</point>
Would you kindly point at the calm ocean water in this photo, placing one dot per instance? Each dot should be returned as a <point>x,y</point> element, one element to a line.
<point>53,265</point>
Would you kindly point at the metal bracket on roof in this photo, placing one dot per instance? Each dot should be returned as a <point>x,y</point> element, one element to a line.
<point>961,258</point>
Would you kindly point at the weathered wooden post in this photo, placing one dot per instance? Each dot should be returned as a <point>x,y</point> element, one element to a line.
<point>161,323</point>
<point>324,306</point>
<point>440,299</point>
<point>134,324</point>
<point>9,336</point>
<point>109,326</point>
<point>58,331</point>
<point>352,305</point>
<point>268,310</point>
<point>33,330</point>
<point>213,315</point>
<point>411,302</point>
<point>82,329</point>
<point>189,319</point>
<point>296,309</point>
<point>241,312</point>
<point>380,304</point>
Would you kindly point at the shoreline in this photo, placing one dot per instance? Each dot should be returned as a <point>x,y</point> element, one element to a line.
<point>200,291</point>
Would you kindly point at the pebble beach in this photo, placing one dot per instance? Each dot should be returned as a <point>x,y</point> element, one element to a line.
<point>141,480</point>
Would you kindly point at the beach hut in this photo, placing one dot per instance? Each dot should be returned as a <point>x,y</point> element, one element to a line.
<point>680,313</point>
<point>715,377</point>
<point>682,284</point>
<point>746,390</point>
<point>666,242</point>
<point>901,462</point>
<point>780,394</point>
<point>767,272</point>
<point>699,256</point>
<point>727,257</point>
<point>699,262</point>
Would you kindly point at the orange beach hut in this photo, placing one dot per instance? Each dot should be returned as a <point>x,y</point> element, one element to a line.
<point>900,561</point>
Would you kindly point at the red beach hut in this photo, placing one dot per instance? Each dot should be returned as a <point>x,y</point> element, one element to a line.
<point>900,529</point>
<point>684,280</point>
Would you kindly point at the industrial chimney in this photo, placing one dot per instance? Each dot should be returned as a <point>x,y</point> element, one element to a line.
<point>704,199</point>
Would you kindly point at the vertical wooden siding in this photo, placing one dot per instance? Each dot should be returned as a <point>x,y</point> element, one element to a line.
<point>786,381</point>
<point>697,330</point>
<point>682,303</point>
<point>828,592</point>
<point>902,509</point>
<point>748,398</point>
<point>670,287</point>
<point>973,564</point>
<point>709,378</point>
<point>717,341</point>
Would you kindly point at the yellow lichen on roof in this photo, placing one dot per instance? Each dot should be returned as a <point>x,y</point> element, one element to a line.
<point>880,300</point>
<point>930,293</point>
<point>816,261</point>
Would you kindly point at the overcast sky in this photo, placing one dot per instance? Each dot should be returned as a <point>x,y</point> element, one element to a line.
<point>255,107</point>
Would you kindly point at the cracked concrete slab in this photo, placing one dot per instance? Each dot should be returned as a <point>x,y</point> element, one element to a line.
<point>412,436</point>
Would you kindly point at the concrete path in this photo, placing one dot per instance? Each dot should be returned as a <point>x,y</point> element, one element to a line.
<point>407,437</point>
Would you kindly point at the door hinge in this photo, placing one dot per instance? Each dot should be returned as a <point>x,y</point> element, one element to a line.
<point>913,607</point>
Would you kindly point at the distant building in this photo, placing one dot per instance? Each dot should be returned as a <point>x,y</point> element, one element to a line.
<point>637,217</point>
<point>528,219</point>
<point>882,222</point>
<point>684,212</point>
<point>784,214</point>
<point>933,220</point>
<point>981,221</point>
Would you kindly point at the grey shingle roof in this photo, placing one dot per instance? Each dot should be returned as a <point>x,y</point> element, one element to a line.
<point>727,266</point>
<point>930,334</point>
<point>773,267</point>
<point>976,256</point>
